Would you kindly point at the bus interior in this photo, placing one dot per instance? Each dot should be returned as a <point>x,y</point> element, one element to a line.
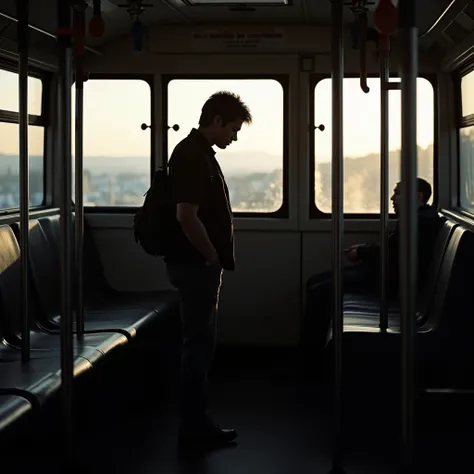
<point>349,98</point>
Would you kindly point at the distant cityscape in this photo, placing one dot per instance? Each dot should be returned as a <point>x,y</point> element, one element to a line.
<point>257,192</point>
<point>108,182</point>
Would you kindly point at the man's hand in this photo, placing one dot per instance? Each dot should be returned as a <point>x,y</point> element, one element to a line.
<point>214,262</point>
<point>351,254</point>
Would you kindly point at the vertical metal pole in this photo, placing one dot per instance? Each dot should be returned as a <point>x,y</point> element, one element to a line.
<point>384,154</point>
<point>337,48</point>
<point>408,218</point>
<point>23,39</point>
<point>64,161</point>
<point>79,201</point>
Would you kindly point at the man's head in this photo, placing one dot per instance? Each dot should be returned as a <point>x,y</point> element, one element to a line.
<point>222,117</point>
<point>423,194</point>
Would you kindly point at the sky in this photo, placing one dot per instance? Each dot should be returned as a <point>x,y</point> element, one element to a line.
<point>115,110</point>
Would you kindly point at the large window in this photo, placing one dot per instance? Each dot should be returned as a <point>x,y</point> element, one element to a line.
<point>254,165</point>
<point>361,119</point>
<point>117,152</point>
<point>9,142</point>
<point>466,144</point>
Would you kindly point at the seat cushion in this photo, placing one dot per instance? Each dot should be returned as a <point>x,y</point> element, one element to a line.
<point>92,347</point>
<point>46,345</point>
<point>370,304</point>
<point>12,408</point>
<point>354,321</point>
<point>38,378</point>
<point>125,322</point>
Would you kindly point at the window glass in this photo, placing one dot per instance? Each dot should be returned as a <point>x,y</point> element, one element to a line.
<point>9,95</point>
<point>117,152</point>
<point>361,119</point>
<point>253,166</point>
<point>466,168</point>
<point>10,165</point>
<point>467,94</point>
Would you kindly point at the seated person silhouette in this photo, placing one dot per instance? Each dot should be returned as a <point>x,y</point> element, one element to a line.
<point>363,275</point>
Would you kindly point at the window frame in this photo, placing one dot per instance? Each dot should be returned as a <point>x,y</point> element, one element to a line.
<point>7,116</point>
<point>314,212</point>
<point>283,211</point>
<point>149,79</point>
<point>461,122</point>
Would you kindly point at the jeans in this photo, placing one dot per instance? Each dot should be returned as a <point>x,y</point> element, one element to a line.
<point>198,288</point>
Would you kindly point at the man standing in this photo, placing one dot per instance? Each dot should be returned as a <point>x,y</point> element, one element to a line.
<point>203,247</point>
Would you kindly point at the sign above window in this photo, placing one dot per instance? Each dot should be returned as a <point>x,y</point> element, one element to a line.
<point>253,3</point>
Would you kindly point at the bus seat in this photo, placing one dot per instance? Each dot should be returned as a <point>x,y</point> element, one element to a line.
<point>44,264</point>
<point>12,408</point>
<point>98,294</point>
<point>38,379</point>
<point>446,332</point>
<point>42,344</point>
<point>368,307</point>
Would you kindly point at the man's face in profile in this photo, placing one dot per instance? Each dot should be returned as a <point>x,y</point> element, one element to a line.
<point>224,135</point>
<point>396,198</point>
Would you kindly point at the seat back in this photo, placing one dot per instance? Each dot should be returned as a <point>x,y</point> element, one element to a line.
<point>450,317</point>
<point>428,289</point>
<point>10,286</point>
<point>93,272</point>
<point>454,284</point>
<point>44,270</point>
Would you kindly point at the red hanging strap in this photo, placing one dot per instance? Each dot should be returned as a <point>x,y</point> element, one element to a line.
<point>79,42</point>
<point>386,23</point>
<point>96,25</point>
<point>79,32</point>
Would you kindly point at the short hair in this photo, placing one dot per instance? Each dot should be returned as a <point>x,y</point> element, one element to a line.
<point>228,106</point>
<point>424,188</point>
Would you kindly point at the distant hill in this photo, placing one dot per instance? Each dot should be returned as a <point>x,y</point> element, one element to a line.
<point>233,164</point>
<point>237,164</point>
<point>11,162</point>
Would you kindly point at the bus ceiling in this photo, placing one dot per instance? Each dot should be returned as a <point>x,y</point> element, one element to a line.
<point>109,19</point>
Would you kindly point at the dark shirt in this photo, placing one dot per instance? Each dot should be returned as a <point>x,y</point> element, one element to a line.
<point>197,178</point>
<point>428,226</point>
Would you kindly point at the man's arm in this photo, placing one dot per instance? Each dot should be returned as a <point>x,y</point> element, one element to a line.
<point>366,252</point>
<point>189,175</point>
<point>194,230</point>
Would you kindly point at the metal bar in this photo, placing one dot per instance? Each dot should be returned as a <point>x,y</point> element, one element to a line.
<point>23,39</point>
<point>459,55</point>
<point>384,153</point>
<point>408,218</point>
<point>79,172</point>
<point>79,207</point>
<point>64,155</point>
<point>12,56</point>
<point>337,48</point>
<point>450,391</point>
<point>393,86</point>
<point>447,17</point>
<point>14,117</point>
<point>46,33</point>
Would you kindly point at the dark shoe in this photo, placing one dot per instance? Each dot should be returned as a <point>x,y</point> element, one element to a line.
<point>208,436</point>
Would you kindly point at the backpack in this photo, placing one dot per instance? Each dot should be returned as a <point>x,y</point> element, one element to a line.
<point>155,221</point>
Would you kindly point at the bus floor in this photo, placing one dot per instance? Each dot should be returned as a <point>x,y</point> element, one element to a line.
<point>284,427</point>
